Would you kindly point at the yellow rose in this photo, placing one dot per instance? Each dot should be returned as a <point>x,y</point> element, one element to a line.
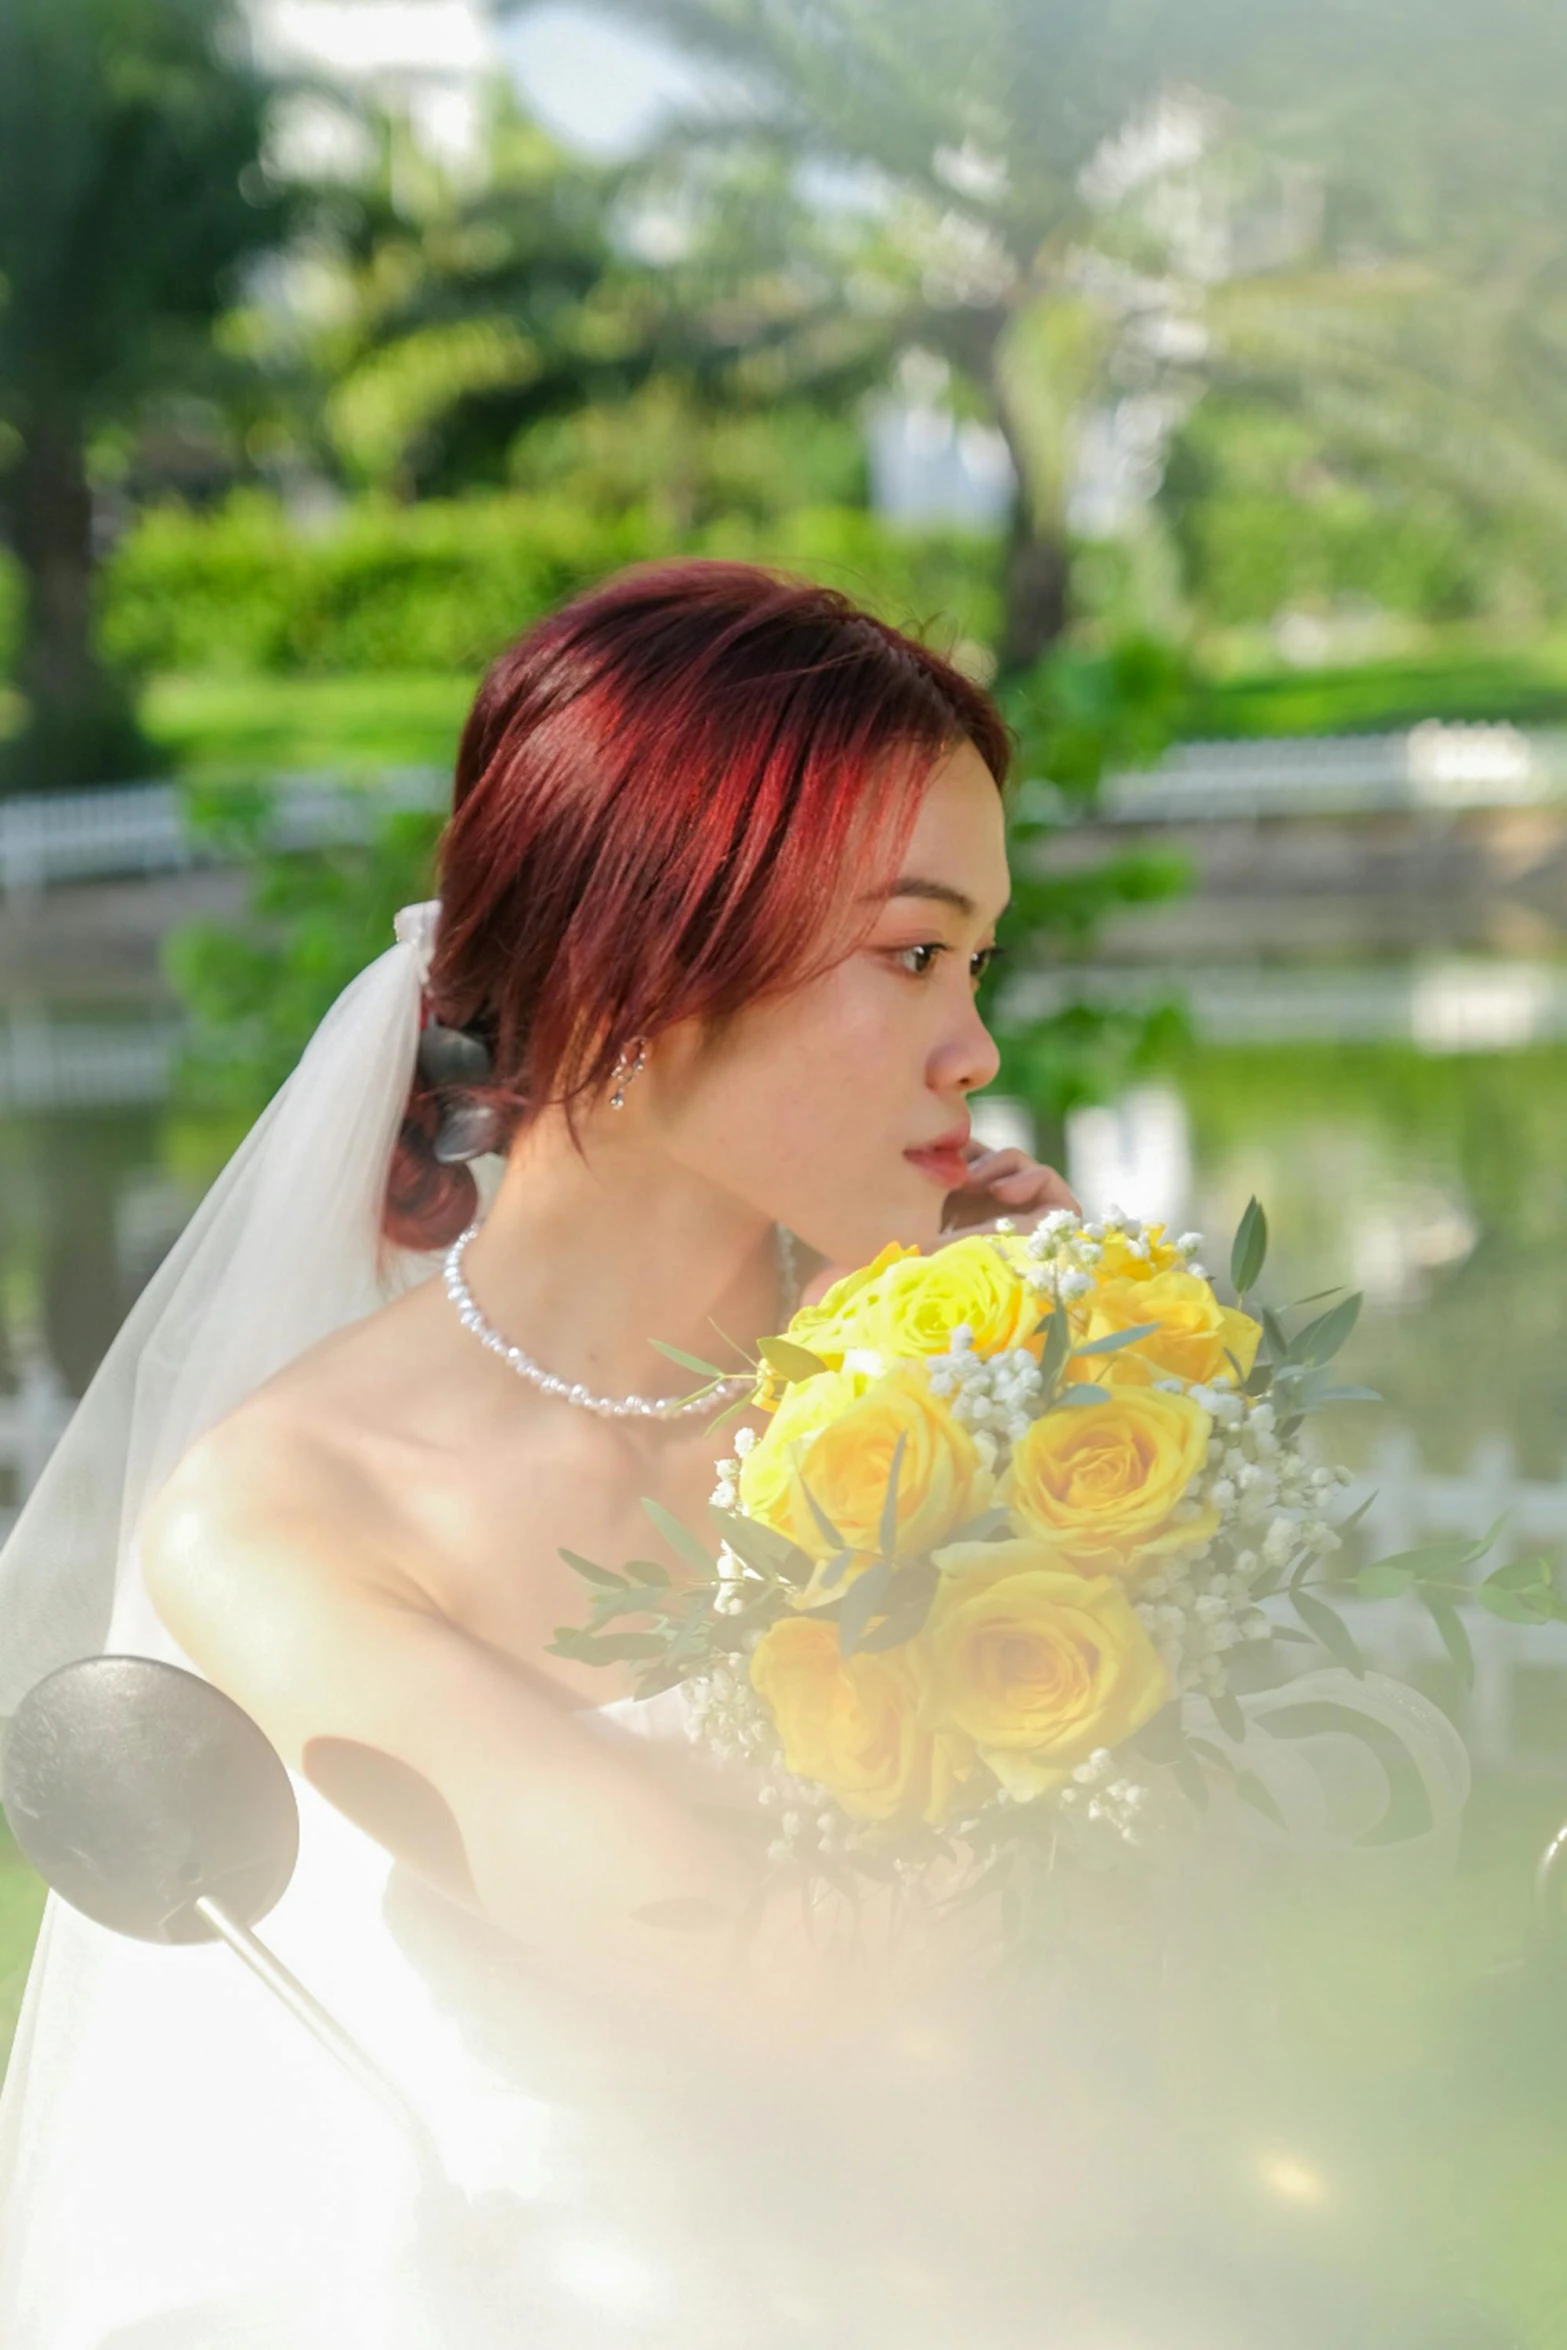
<point>838,1432</point>
<point>1194,1341</point>
<point>826,1328</point>
<point>917,1303</point>
<point>853,1722</point>
<point>1035,1664</point>
<point>1100,1484</point>
<point>768,1483</point>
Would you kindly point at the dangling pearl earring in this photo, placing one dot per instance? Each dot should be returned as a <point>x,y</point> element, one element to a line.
<point>625,1070</point>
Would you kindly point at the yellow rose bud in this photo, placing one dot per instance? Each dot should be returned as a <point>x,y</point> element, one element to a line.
<point>838,1432</point>
<point>917,1303</point>
<point>853,1723</point>
<point>1036,1665</point>
<point>1195,1338</point>
<point>1100,1485</point>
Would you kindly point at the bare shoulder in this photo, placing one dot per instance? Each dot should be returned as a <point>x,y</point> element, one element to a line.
<point>267,1491</point>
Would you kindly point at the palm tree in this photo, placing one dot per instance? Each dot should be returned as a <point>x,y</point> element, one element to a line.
<point>1020,148</point>
<point>471,313</point>
<point>130,195</point>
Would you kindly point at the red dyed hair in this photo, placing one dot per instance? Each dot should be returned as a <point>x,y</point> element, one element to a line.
<point>661,791</point>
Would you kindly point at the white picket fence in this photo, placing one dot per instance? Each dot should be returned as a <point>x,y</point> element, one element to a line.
<point>1437,766</point>
<point>122,830</point>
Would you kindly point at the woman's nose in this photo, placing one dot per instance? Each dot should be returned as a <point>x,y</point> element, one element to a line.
<point>968,1058</point>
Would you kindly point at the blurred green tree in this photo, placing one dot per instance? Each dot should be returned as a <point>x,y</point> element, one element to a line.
<point>1090,210</point>
<point>131,192</point>
<point>526,325</point>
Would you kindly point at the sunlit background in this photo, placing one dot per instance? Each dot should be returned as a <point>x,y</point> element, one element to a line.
<point>1194,375</point>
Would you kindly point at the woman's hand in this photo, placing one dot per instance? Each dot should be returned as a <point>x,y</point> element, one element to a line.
<point>1003,1183</point>
<point>1000,1183</point>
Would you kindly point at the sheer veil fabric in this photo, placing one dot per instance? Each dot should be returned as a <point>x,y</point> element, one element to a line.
<point>181,2167</point>
<point>139,2073</point>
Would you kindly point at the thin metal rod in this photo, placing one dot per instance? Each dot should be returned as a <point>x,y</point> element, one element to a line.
<point>308,2009</point>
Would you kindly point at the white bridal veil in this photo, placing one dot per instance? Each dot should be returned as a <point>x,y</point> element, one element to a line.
<point>173,2150</point>
<point>284,1248</point>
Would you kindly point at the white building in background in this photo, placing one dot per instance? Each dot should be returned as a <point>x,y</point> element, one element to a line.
<point>428,62</point>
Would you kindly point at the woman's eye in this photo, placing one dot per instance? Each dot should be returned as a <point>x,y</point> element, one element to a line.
<point>918,960</point>
<point>980,962</point>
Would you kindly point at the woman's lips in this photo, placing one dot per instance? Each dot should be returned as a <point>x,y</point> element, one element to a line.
<point>948,1166</point>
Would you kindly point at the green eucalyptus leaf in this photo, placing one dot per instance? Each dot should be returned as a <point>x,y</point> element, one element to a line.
<point>764,1550</point>
<point>985,1528</point>
<point>687,1362</point>
<point>1080,1392</point>
<point>648,1571</point>
<point>1191,1779</point>
<point>1228,1713</point>
<point>820,1515</point>
<point>609,1648</point>
<point>1384,1579</point>
<point>1057,1346</point>
<point>1251,1790</point>
<point>888,1530</point>
<point>1454,1638</point>
<point>790,1361</point>
<point>1326,1625</point>
<point>1320,1341</point>
<point>861,1601</point>
<point>609,1606</point>
<point>1430,1561</point>
<point>1163,1737</point>
<point>1532,1606</point>
<point>680,1537</point>
<point>1526,1574</point>
<point>1249,1252</point>
<point>1116,1339</point>
<point>1276,1335</point>
<point>591,1571</point>
<point>900,1624</point>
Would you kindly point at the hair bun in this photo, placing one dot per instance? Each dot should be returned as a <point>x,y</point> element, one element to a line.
<point>428,1200</point>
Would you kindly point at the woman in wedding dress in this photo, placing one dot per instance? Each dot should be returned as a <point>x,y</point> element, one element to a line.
<point>724,866</point>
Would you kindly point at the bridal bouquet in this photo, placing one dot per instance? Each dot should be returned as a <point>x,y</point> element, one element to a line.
<point>985,1588</point>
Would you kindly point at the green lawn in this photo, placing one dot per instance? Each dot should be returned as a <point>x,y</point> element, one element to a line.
<point>1457,680</point>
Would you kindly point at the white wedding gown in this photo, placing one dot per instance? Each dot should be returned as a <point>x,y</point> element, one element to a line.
<point>202,2171</point>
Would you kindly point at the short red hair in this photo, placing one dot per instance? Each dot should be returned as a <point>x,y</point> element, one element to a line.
<point>660,790</point>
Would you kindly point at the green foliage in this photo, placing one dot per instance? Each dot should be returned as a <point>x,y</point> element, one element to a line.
<point>442,585</point>
<point>445,584</point>
<point>1085,708</point>
<point>1268,515</point>
<point>131,193</point>
<point>256,990</point>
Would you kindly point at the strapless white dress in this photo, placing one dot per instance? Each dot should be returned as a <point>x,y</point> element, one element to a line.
<point>204,2173</point>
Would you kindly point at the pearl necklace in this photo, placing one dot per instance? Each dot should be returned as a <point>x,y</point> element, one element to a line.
<point>609,1407</point>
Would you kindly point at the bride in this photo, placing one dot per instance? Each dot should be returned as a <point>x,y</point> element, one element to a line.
<point>693,1017</point>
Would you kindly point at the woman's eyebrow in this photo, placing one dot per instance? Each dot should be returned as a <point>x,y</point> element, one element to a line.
<point>941,893</point>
